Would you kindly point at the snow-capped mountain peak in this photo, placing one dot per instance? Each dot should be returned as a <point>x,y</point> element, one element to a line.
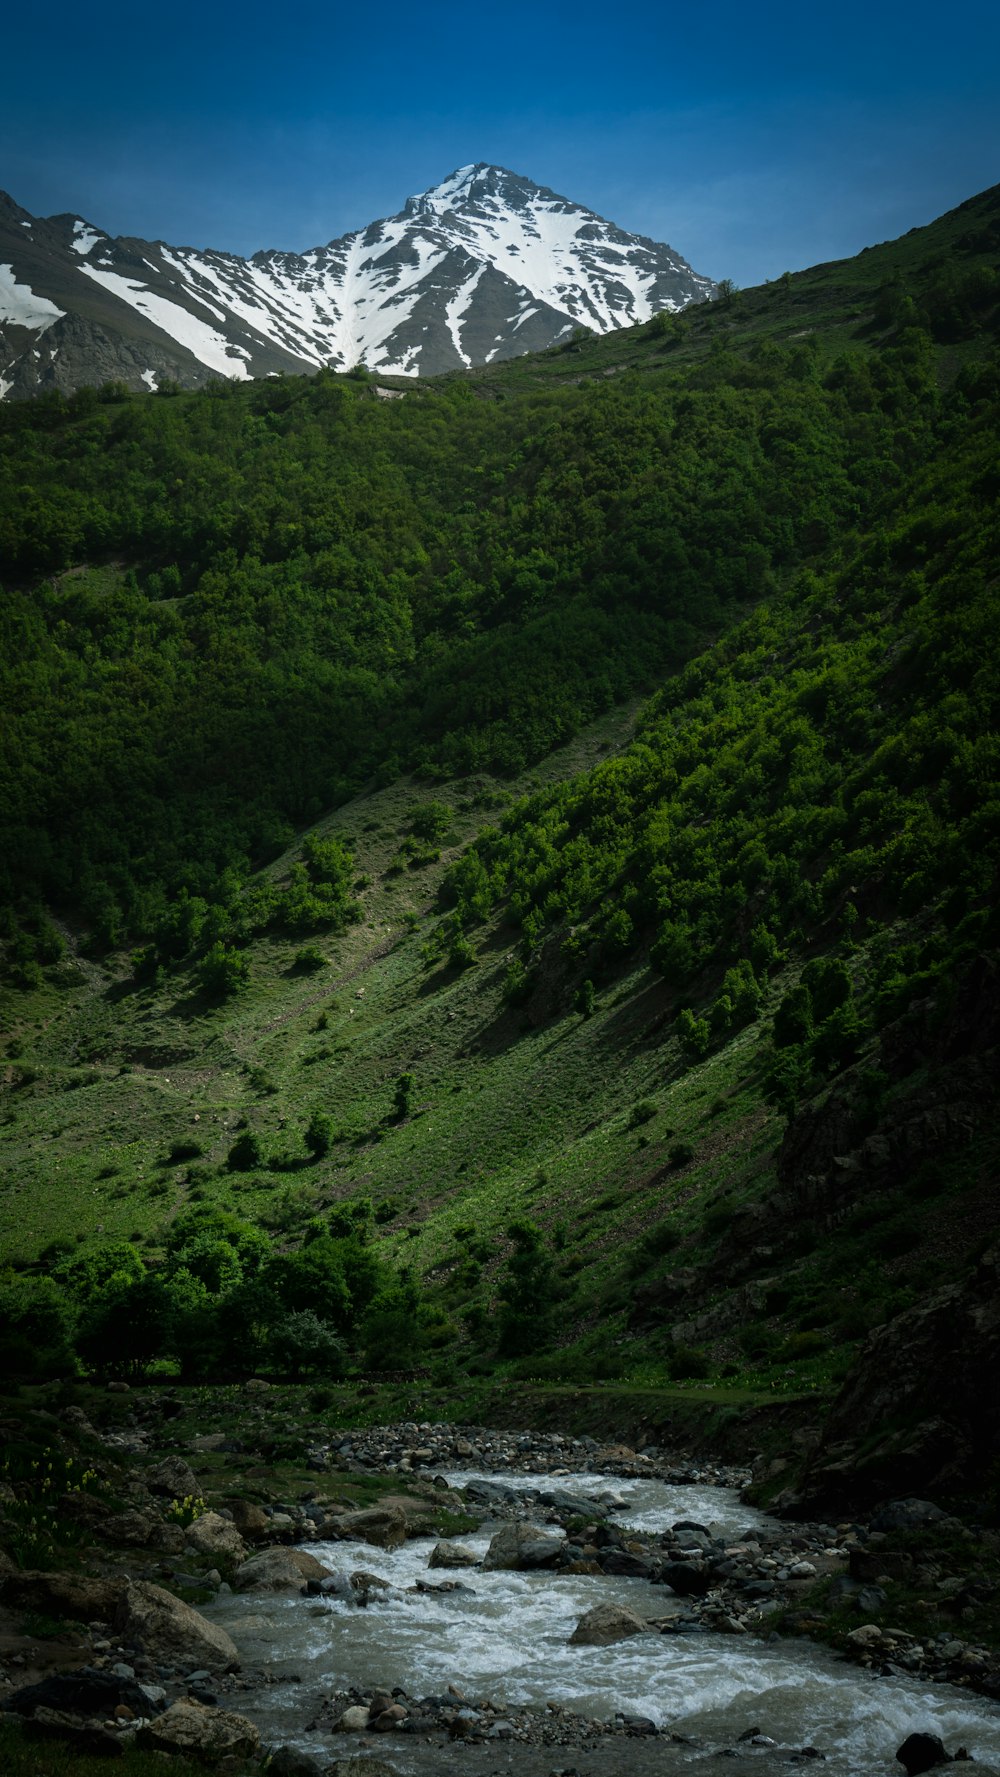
<point>483,266</point>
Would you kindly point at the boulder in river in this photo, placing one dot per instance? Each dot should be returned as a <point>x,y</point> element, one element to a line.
<point>278,1570</point>
<point>447,1554</point>
<point>166,1629</point>
<point>923,1752</point>
<point>606,1623</point>
<point>687,1578</point>
<point>201,1732</point>
<point>354,1720</point>
<point>382,1526</point>
<point>518,1548</point>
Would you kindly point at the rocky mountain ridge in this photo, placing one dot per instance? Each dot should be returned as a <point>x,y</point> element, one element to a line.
<point>484,266</point>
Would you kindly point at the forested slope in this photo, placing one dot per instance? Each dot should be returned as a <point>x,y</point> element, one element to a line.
<point>671,1052</point>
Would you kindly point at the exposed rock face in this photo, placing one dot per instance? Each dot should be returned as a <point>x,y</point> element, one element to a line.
<point>201,1732</point>
<point>606,1623</point>
<point>520,1547</point>
<point>164,1627</point>
<point>278,1570</point>
<point>929,1376</point>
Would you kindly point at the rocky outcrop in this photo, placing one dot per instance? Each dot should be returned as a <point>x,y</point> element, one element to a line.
<point>920,1410</point>
<point>164,1628</point>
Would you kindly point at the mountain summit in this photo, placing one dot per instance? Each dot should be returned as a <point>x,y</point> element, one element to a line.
<point>486,265</point>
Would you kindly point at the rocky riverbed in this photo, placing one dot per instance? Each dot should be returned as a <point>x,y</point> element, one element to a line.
<point>345,1630</point>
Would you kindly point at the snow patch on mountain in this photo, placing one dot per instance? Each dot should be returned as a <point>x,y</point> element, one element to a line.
<point>201,340</point>
<point>85,237</point>
<point>20,304</point>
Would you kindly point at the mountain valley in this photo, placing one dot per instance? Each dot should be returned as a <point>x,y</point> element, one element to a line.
<point>499,882</point>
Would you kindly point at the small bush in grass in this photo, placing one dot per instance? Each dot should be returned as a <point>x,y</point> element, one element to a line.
<point>461,955</point>
<point>643,1112</point>
<point>681,1153</point>
<point>309,960</point>
<point>246,1153</point>
<point>183,1150</point>
<point>686,1364</point>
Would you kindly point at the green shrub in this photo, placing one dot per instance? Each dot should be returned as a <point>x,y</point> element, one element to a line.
<point>643,1112</point>
<point>246,1153</point>
<point>686,1363</point>
<point>309,960</point>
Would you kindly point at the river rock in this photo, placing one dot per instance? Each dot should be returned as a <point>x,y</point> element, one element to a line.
<point>250,1519</point>
<point>922,1752</point>
<point>87,1692</point>
<point>82,1737</point>
<point>446,1554</point>
<point>518,1548</point>
<point>278,1570</point>
<point>201,1732</point>
<point>361,1767</point>
<point>168,1630</point>
<point>335,1585</point>
<point>60,1594</point>
<point>135,1530</point>
<point>382,1526</point>
<point>368,1585</point>
<point>687,1578</point>
<point>216,1537</point>
<point>288,1761</point>
<point>606,1623</point>
<point>388,1719</point>
<point>864,1640</point>
<point>907,1514</point>
<point>172,1477</point>
<point>354,1720</point>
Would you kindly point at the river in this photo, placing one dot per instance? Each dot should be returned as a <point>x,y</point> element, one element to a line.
<point>506,1639</point>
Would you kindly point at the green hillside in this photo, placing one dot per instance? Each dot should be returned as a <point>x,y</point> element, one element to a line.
<point>503,878</point>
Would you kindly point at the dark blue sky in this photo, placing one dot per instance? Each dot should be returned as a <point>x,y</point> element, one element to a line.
<point>753,139</point>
